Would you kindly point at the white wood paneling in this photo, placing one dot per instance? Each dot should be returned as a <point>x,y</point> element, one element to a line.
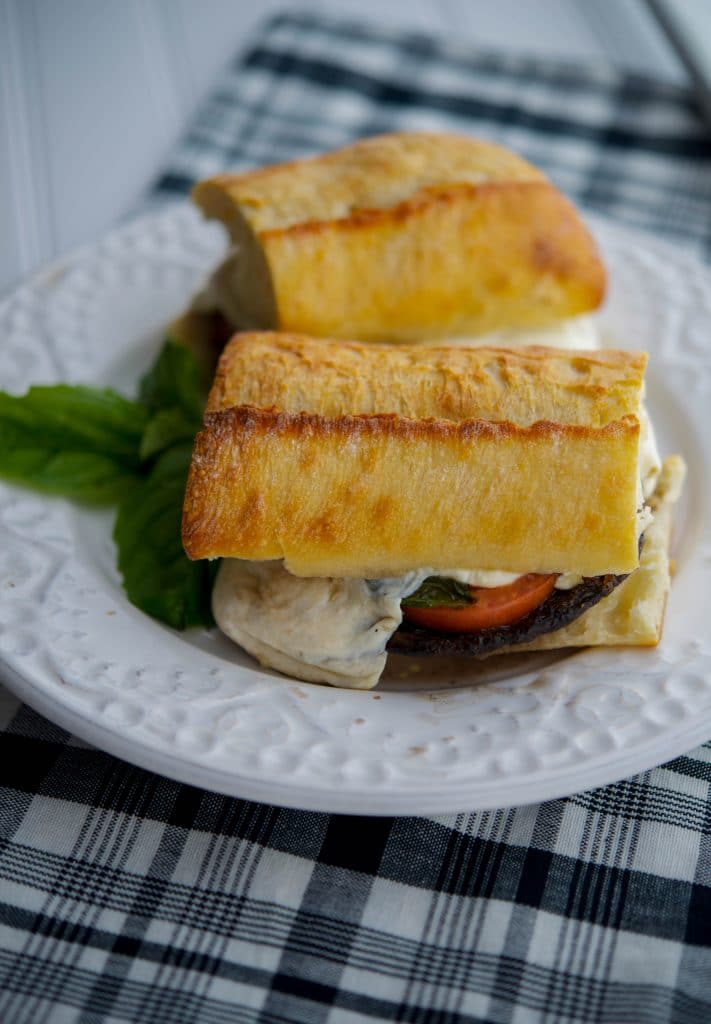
<point>93,93</point>
<point>108,104</point>
<point>25,211</point>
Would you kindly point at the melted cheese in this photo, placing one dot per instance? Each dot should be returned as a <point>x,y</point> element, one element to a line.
<point>322,630</point>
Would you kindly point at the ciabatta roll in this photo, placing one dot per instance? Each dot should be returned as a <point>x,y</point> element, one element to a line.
<point>401,237</point>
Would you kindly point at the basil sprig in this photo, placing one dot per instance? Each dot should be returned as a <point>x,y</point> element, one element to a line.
<point>94,446</point>
<point>440,592</point>
<point>78,442</point>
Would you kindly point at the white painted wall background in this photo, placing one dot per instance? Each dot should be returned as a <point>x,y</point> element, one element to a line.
<point>93,93</point>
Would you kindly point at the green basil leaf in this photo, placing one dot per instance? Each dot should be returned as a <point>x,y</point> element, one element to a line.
<point>175,380</point>
<point>158,576</point>
<point>82,476</point>
<point>77,442</point>
<point>65,417</point>
<point>166,428</point>
<point>440,592</point>
<point>93,445</point>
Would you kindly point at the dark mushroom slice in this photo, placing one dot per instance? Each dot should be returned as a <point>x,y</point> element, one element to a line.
<point>558,610</point>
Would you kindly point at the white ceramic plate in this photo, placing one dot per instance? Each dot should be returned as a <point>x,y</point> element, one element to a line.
<point>432,738</point>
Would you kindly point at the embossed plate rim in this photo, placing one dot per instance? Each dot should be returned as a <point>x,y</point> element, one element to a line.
<point>173,241</point>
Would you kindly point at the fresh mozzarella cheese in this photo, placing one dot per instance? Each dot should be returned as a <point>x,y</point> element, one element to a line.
<point>577,333</point>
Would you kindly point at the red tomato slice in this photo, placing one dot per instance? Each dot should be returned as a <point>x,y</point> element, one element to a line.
<point>493,606</point>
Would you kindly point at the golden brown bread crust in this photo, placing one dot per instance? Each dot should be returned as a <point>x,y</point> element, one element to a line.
<point>372,496</point>
<point>294,373</point>
<point>374,173</point>
<point>402,237</point>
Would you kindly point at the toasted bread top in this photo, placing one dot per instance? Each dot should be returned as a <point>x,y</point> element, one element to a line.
<point>369,460</point>
<point>295,373</point>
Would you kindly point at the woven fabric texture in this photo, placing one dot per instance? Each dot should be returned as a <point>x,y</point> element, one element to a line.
<point>127,897</point>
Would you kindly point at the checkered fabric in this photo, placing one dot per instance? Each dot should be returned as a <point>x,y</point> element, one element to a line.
<point>127,897</point>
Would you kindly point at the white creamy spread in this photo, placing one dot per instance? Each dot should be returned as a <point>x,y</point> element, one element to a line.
<point>490,577</point>
<point>650,463</point>
<point>575,333</point>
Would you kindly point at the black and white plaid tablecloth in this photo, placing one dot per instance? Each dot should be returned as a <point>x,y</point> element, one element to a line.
<point>128,897</point>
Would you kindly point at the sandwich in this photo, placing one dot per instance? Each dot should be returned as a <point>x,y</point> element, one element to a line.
<point>409,237</point>
<point>427,499</point>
